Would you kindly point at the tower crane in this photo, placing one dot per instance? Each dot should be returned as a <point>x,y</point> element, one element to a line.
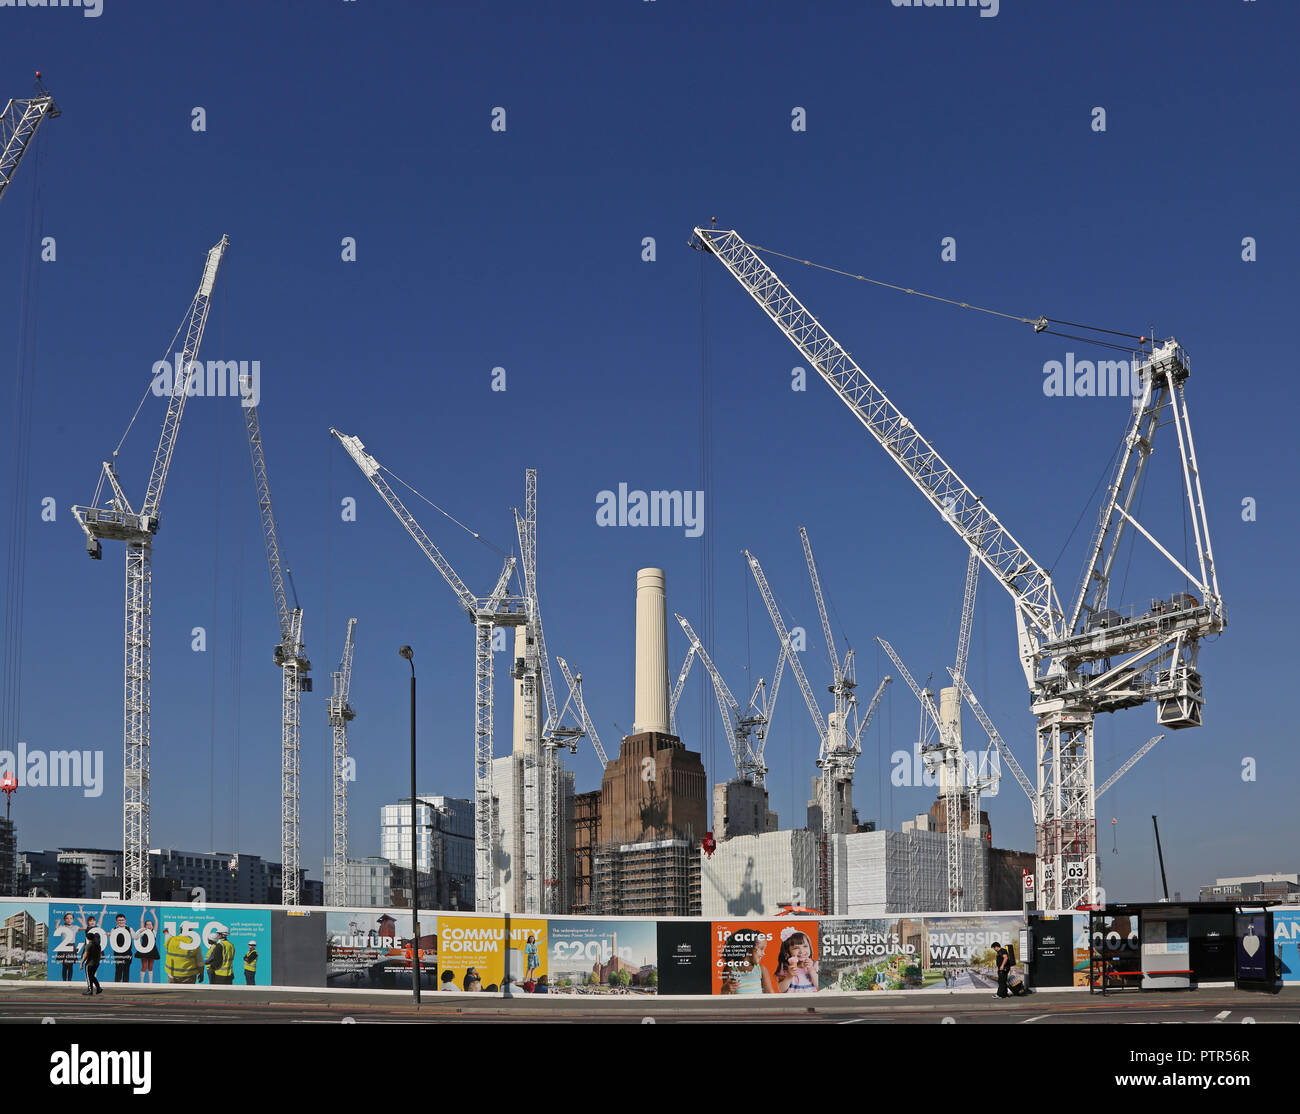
<point>678,688</point>
<point>1079,663</point>
<point>290,656</point>
<point>739,726</point>
<point>836,757</point>
<point>340,714</point>
<point>574,681</point>
<point>943,756</point>
<point>497,609</point>
<point>115,520</point>
<point>543,819</point>
<point>19,124</point>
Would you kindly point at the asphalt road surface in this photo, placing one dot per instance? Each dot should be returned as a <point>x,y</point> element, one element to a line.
<point>122,1005</point>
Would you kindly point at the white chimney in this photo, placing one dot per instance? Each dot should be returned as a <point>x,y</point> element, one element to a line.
<point>651,709</point>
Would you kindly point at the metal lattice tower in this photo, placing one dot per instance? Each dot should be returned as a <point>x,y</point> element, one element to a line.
<point>290,656</point>
<point>340,713</point>
<point>497,609</point>
<point>115,520</point>
<point>19,124</point>
<point>1098,660</point>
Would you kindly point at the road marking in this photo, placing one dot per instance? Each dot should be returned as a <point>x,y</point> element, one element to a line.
<point>1040,1017</point>
<point>1221,1016</point>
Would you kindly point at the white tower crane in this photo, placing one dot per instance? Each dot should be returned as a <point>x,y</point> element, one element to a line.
<point>945,757</point>
<point>496,610</point>
<point>837,758</point>
<point>739,726</point>
<point>340,714</point>
<point>117,521</point>
<point>290,655</point>
<point>1076,665</point>
<point>679,687</point>
<point>836,755</point>
<point>19,124</point>
<point>575,694</point>
<point>543,817</point>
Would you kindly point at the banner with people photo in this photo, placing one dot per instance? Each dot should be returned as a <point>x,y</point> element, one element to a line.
<point>492,953</point>
<point>765,957</point>
<point>371,949</point>
<point>603,957</point>
<point>218,945</point>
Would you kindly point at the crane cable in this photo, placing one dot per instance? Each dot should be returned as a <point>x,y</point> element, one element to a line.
<point>16,562</point>
<point>1040,324</point>
<point>472,533</point>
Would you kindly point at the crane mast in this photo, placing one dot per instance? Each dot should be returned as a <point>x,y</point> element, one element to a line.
<point>115,519</point>
<point>497,609</point>
<point>19,124</point>
<point>339,714</point>
<point>543,816</point>
<point>1070,662</point>
<point>290,656</point>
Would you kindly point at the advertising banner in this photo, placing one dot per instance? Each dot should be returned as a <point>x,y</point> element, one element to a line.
<point>765,957</point>
<point>24,932</point>
<point>162,943</point>
<point>685,957</point>
<point>490,953</point>
<point>603,957</point>
<point>1286,943</point>
<point>1115,951</point>
<point>867,955</point>
<point>372,949</point>
<point>1253,953</point>
<point>914,953</point>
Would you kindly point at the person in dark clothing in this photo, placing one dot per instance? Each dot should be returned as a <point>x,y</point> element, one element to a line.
<point>1004,968</point>
<point>90,957</point>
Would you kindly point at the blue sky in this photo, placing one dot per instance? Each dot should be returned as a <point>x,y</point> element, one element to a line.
<point>523,249</point>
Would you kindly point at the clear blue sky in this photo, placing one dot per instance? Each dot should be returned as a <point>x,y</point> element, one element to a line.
<point>523,249</point>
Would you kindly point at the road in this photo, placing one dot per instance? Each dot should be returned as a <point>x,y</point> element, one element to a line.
<point>122,1005</point>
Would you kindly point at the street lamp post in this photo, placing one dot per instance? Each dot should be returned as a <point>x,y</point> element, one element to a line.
<point>409,655</point>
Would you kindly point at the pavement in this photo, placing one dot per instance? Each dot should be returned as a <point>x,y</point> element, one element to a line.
<point>142,1004</point>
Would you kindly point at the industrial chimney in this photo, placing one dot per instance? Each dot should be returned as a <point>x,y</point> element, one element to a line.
<point>651,709</point>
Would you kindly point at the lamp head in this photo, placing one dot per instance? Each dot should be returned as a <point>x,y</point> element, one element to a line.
<point>407,652</point>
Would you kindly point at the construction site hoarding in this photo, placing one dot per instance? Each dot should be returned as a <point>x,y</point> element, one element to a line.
<point>491,953</point>
<point>146,943</point>
<point>1286,943</point>
<point>373,949</point>
<point>764,957</point>
<point>685,957</point>
<point>603,957</point>
<point>24,931</point>
<point>934,952</point>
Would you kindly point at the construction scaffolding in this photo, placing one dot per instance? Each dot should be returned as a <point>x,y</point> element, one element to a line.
<point>585,829</point>
<point>661,878</point>
<point>913,864</point>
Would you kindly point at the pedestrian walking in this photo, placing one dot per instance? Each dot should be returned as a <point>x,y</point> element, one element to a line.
<point>90,957</point>
<point>1004,968</point>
